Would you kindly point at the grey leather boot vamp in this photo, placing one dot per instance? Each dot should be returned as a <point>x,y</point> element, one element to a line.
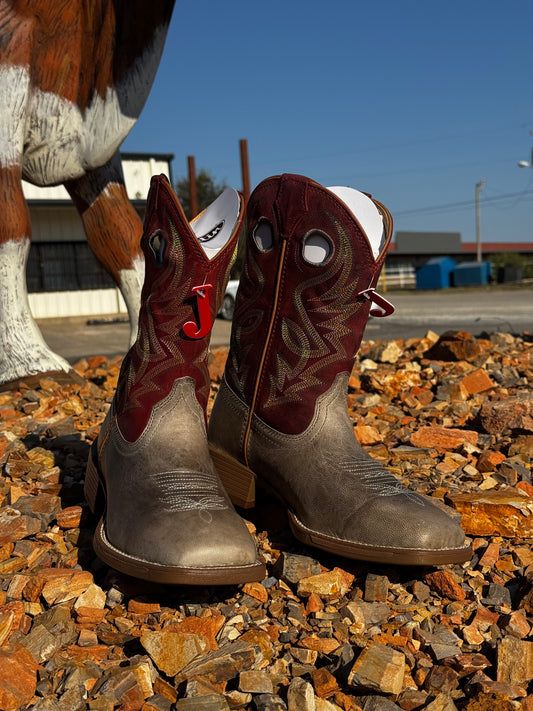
<point>167,516</point>
<point>339,498</point>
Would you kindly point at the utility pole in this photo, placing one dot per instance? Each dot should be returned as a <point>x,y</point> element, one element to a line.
<point>479,188</point>
<point>245,168</point>
<point>193,194</point>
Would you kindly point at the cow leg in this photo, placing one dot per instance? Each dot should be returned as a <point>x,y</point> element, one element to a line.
<point>113,230</point>
<point>23,351</point>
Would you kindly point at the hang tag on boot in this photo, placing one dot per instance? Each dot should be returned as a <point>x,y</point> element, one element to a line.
<point>192,329</point>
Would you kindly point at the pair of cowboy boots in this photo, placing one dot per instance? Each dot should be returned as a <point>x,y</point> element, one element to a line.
<point>280,422</point>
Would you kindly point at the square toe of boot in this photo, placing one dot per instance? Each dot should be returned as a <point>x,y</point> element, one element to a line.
<point>203,539</point>
<point>405,522</point>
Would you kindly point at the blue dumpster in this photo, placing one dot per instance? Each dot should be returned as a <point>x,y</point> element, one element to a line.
<point>471,273</point>
<point>435,274</point>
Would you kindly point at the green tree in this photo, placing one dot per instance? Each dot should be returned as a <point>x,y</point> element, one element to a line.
<point>500,260</point>
<point>207,190</point>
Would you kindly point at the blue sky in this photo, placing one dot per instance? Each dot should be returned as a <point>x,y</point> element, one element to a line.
<point>412,101</point>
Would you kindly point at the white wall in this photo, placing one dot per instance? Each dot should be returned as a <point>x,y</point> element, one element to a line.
<point>53,304</point>
<point>56,223</point>
<point>137,174</point>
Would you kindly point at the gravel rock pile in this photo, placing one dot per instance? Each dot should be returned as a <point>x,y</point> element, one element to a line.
<point>450,416</point>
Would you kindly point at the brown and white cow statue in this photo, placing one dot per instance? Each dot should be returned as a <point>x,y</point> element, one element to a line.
<point>74,76</point>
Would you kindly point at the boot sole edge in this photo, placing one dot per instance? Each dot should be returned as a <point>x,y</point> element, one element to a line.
<point>377,554</point>
<point>168,574</point>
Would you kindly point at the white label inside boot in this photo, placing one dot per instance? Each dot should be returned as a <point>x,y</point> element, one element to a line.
<point>215,225</point>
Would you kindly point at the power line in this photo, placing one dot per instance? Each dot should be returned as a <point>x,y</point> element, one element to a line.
<point>519,196</point>
<point>450,206</point>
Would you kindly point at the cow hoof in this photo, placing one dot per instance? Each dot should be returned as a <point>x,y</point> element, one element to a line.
<point>36,362</point>
<point>61,377</point>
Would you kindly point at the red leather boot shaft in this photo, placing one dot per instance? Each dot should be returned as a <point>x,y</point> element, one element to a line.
<point>298,323</point>
<point>181,296</point>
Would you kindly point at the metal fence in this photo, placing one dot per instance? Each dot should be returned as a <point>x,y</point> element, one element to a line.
<point>397,277</point>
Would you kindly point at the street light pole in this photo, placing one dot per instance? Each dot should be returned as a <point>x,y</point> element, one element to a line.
<point>479,188</point>
<point>527,163</point>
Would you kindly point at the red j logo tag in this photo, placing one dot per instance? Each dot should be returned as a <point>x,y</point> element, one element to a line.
<point>192,329</point>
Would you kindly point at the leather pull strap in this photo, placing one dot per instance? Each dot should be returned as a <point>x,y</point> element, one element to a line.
<point>385,308</point>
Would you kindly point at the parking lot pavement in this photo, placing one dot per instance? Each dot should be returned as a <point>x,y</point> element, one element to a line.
<point>81,337</point>
<point>474,310</point>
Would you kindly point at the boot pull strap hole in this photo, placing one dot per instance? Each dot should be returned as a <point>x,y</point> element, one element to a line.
<point>263,235</point>
<point>317,248</point>
<point>158,245</point>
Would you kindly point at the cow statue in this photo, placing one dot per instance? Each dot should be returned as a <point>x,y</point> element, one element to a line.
<point>74,77</point>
